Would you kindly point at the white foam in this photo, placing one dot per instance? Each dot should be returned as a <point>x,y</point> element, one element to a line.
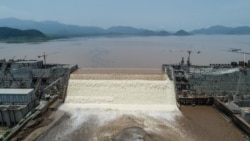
<point>121,93</point>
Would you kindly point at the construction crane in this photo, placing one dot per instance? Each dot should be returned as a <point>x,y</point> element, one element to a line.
<point>244,55</point>
<point>24,57</point>
<point>234,50</point>
<point>189,54</point>
<point>44,56</point>
<point>239,51</point>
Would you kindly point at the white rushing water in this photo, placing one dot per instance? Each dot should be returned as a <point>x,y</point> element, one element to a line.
<point>119,110</point>
<point>123,94</point>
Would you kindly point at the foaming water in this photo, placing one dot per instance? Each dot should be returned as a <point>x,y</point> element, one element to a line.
<point>115,109</point>
<point>98,124</point>
<point>139,92</point>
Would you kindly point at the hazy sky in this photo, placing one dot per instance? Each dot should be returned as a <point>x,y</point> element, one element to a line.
<point>152,14</point>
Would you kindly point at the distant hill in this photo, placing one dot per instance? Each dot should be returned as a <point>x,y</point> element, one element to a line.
<point>56,29</point>
<point>127,30</point>
<point>51,28</point>
<point>223,30</point>
<point>17,35</point>
<point>182,33</point>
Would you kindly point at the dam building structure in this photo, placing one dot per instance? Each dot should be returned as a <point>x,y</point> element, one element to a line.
<point>226,86</point>
<point>24,83</point>
<point>231,83</point>
<point>15,104</point>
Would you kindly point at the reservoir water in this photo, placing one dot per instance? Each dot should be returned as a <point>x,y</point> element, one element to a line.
<point>131,52</point>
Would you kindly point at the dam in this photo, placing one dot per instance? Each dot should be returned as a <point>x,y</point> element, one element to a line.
<point>119,106</point>
<point>128,106</point>
<point>122,91</point>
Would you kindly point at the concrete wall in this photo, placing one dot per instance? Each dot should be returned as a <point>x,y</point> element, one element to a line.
<point>11,115</point>
<point>243,103</point>
<point>245,115</point>
<point>15,99</point>
<point>221,84</point>
<point>236,118</point>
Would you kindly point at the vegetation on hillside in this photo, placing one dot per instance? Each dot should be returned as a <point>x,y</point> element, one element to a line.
<point>16,35</point>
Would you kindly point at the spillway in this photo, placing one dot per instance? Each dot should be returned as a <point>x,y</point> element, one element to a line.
<point>136,91</point>
<point>124,107</point>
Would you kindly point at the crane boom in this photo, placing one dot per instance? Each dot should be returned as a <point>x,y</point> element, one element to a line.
<point>44,55</point>
<point>189,54</point>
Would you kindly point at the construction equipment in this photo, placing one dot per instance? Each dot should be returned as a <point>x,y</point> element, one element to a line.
<point>234,50</point>
<point>44,56</point>
<point>189,53</point>
<point>242,52</point>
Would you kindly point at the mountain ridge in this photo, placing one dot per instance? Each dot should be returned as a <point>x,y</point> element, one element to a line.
<point>223,30</point>
<point>56,29</point>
